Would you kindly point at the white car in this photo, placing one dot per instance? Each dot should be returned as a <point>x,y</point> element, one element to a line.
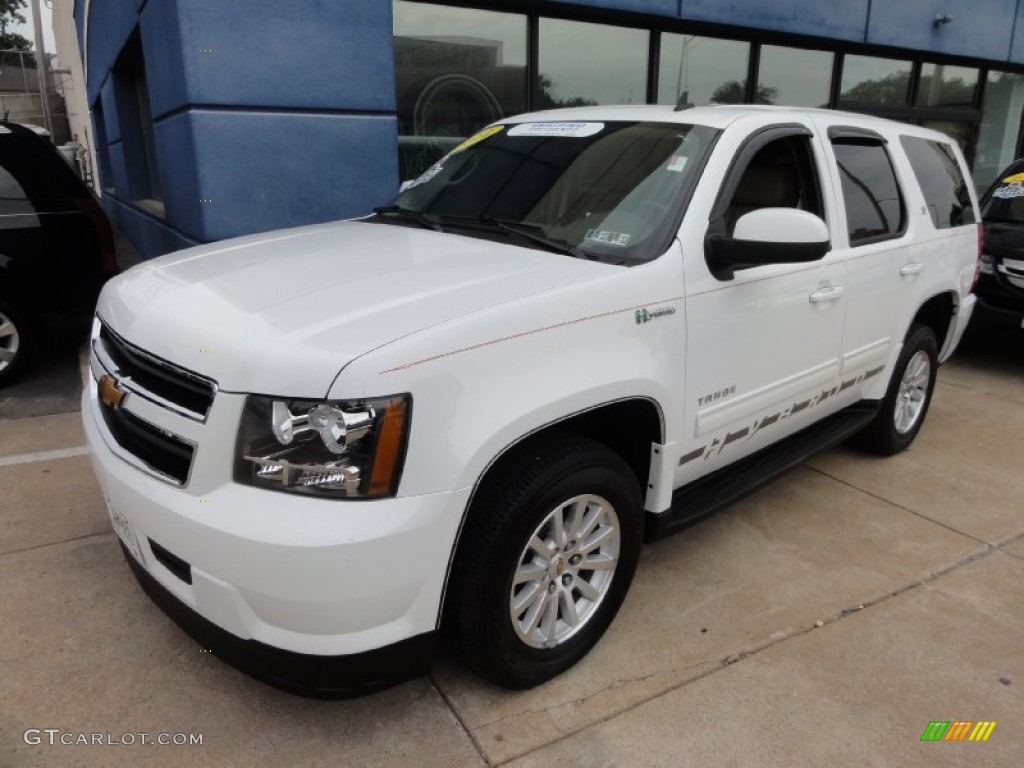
<point>322,446</point>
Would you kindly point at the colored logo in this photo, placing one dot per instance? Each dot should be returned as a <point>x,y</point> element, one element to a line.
<point>109,392</point>
<point>645,315</point>
<point>958,730</point>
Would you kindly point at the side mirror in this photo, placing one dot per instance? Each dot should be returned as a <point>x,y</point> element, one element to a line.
<point>767,236</point>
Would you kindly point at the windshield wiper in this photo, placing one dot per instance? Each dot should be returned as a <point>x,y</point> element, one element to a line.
<point>536,235</point>
<point>408,214</point>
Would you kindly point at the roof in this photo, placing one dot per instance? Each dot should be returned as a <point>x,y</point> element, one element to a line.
<point>721,116</point>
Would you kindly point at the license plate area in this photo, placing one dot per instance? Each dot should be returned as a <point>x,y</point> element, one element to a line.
<point>125,532</point>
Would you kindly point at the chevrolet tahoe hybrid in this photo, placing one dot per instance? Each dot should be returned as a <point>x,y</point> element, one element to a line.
<point>324,447</point>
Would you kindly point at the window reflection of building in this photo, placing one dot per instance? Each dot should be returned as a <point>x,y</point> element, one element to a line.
<point>448,88</point>
<point>459,68</point>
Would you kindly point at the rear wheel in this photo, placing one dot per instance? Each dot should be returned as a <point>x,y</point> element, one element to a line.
<point>909,395</point>
<point>16,341</point>
<point>546,560</point>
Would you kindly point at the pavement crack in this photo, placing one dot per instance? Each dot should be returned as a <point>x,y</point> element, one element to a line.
<point>462,723</point>
<point>987,393</point>
<point>776,638</point>
<point>891,503</point>
<point>20,550</point>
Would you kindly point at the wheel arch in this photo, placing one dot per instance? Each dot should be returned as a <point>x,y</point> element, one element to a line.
<point>939,314</point>
<point>627,426</point>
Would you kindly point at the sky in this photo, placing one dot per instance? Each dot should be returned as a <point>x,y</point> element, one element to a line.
<point>26,29</point>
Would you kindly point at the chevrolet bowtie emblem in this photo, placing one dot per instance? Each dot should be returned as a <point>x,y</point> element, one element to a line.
<point>110,393</point>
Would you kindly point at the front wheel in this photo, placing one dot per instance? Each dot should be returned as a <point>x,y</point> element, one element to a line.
<point>909,395</point>
<point>545,561</point>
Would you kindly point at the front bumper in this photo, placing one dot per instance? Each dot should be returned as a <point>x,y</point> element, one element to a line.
<point>316,596</point>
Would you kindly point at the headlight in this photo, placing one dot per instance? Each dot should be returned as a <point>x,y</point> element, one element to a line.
<point>339,449</point>
<point>987,264</point>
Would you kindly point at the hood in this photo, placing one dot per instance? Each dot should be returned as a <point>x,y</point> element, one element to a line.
<point>283,312</point>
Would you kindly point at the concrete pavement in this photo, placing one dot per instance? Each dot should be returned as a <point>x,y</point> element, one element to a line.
<point>823,621</point>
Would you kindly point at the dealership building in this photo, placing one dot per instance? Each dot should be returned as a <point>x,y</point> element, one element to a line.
<point>217,118</point>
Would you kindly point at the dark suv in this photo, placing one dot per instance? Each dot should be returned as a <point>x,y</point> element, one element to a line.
<point>56,246</point>
<point>1000,288</point>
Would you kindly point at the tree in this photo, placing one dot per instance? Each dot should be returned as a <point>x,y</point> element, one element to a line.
<point>10,13</point>
<point>891,89</point>
<point>544,100</point>
<point>735,92</point>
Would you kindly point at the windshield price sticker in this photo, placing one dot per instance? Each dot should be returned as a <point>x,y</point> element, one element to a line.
<point>677,163</point>
<point>564,130</point>
<point>620,239</point>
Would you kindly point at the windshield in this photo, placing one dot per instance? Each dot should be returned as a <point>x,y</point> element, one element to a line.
<point>1006,198</point>
<point>612,191</point>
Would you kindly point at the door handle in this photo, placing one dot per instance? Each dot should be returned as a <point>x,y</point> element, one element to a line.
<point>911,268</point>
<point>827,293</point>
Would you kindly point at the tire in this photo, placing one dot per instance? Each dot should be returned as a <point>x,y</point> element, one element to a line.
<point>17,340</point>
<point>910,393</point>
<point>580,483</point>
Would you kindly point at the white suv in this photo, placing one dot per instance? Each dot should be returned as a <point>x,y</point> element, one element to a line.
<point>322,446</point>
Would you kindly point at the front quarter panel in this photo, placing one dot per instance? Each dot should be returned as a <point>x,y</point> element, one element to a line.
<point>482,382</point>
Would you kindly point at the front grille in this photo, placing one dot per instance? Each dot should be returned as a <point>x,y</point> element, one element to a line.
<point>158,449</point>
<point>156,379</point>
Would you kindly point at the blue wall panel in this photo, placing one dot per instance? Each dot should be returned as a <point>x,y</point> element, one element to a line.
<point>112,125</point>
<point>162,51</point>
<point>118,168</point>
<point>266,170</point>
<point>980,32</point>
<point>111,23</point>
<point>149,236</point>
<point>1017,47</point>
<point>655,7</point>
<point>843,20</point>
<point>305,54</point>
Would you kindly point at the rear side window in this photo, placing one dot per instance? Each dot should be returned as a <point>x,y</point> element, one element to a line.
<point>942,183</point>
<point>871,194</point>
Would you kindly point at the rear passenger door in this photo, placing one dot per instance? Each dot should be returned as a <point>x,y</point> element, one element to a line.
<point>874,239</point>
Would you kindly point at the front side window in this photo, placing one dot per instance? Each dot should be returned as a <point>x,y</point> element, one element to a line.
<point>871,194</point>
<point>942,183</point>
<point>610,191</point>
<point>782,174</point>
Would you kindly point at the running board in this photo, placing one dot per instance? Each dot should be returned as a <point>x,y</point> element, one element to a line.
<point>705,496</point>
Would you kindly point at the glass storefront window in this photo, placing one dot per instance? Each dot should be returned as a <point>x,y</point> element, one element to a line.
<point>1000,123</point>
<point>794,77</point>
<point>702,70</point>
<point>582,64</point>
<point>945,86</point>
<point>870,80</point>
<point>456,69</point>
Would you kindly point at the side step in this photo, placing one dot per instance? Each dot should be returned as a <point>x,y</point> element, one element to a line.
<point>702,498</point>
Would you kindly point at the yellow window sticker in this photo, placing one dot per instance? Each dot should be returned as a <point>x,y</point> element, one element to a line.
<point>476,138</point>
<point>1015,177</point>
